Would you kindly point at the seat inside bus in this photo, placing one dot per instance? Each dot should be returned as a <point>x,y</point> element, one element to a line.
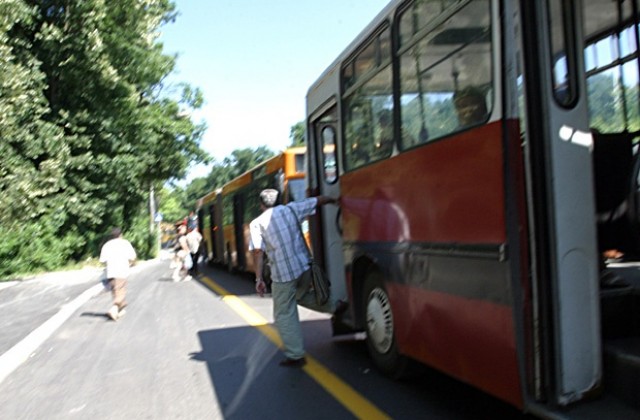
<point>616,166</point>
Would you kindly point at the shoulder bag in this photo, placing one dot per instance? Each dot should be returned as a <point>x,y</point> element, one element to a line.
<point>314,280</point>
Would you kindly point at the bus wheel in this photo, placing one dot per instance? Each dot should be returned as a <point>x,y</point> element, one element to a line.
<point>381,340</point>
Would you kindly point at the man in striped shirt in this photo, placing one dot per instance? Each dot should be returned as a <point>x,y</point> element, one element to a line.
<point>276,232</point>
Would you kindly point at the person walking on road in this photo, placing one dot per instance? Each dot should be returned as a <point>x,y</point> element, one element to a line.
<point>194,239</point>
<point>182,262</point>
<point>118,255</point>
<point>276,232</point>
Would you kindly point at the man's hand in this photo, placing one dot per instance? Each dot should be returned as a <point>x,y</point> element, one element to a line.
<point>261,287</point>
<point>258,262</point>
<point>323,199</point>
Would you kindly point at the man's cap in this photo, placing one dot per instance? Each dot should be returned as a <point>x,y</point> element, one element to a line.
<point>115,232</point>
<point>269,197</point>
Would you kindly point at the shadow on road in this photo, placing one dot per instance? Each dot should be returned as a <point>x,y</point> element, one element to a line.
<point>249,383</point>
<point>96,315</point>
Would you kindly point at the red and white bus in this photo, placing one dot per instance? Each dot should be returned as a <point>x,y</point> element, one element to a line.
<point>484,152</point>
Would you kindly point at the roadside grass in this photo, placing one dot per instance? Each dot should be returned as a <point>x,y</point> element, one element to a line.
<point>77,265</point>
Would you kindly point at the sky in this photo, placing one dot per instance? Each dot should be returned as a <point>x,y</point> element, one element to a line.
<point>254,61</point>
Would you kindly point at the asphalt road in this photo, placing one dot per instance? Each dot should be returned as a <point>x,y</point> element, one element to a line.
<point>203,349</point>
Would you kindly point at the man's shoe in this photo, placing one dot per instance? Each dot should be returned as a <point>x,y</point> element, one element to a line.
<point>113,313</point>
<point>341,307</point>
<point>293,362</point>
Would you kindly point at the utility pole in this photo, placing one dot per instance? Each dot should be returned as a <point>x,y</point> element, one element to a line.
<point>152,209</point>
<point>154,219</point>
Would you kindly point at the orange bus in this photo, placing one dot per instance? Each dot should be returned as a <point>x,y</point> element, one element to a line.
<point>486,157</point>
<point>225,213</point>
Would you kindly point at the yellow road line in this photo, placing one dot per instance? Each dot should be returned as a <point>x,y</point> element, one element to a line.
<point>358,405</point>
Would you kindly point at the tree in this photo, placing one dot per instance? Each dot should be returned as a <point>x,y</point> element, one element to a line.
<point>33,153</point>
<point>87,124</point>
<point>241,160</point>
<point>297,134</point>
<point>171,204</point>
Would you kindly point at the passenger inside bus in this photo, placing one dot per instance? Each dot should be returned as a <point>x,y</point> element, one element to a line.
<point>471,106</point>
<point>383,146</point>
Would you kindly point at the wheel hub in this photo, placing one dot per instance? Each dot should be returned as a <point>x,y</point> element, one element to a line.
<point>379,321</point>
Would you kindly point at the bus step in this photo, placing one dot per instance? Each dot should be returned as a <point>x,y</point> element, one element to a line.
<point>622,369</point>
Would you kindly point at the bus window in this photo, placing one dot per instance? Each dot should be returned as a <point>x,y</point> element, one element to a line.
<point>363,107</point>
<point>612,69</point>
<point>450,65</point>
<point>420,15</point>
<point>227,210</point>
<point>564,66</point>
<point>300,160</point>
<point>329,154</point>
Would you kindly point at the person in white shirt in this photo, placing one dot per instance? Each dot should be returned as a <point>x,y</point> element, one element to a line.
<point>182,263</point>
<point>118,255</point>
<point>194,238</point>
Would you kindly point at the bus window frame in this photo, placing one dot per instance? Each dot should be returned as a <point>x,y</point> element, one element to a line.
<point>405,46</point>
<point>568,47</point>
<point>348,88</point>
<point>325,154</point>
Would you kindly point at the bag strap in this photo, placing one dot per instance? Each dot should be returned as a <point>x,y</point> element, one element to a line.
<point>295,216</point>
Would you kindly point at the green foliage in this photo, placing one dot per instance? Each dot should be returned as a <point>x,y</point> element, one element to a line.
<point>87,125</point>
<point>175,203</point>
<point>612,108</point>
<point>171,204</point>
<point>297,134</point>
<point>241,160</point>
<point>144,240</point>
<point>34,247</point>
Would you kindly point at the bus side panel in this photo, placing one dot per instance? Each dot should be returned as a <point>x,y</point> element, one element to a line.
<point>470,339</point>
<point>433,220</point>
<point>448,191</point>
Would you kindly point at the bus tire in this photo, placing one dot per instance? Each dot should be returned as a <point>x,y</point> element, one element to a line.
<point>378,316</point>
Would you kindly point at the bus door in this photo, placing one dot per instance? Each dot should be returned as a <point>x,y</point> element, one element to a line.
<point>324,180</point>
<point>561,200</point>
<point>238,230</point>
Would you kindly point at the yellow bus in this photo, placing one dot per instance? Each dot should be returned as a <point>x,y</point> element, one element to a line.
<point>225,213</point>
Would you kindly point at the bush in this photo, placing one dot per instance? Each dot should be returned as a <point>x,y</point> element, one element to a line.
<point>29,248</point>
<point>38,246</point>
<point>144,242</point>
